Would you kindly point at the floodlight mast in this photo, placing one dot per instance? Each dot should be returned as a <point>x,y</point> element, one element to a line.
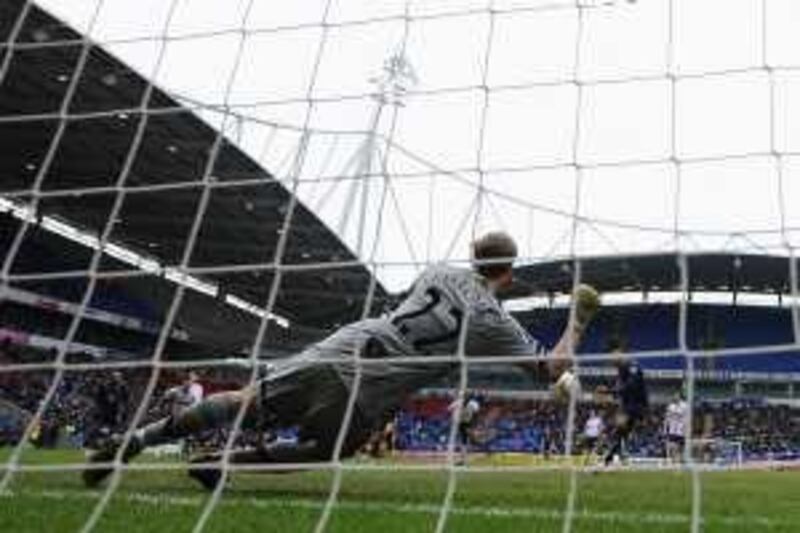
<point>396,79</point>
<point>393,84</point>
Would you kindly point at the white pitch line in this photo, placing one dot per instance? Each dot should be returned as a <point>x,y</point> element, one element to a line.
<point>762,522</point>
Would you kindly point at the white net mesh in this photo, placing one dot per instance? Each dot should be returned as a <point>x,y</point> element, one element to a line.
<point>294,168</point>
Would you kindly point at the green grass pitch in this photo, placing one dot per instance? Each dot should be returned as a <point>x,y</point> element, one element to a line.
<point>407,500</point>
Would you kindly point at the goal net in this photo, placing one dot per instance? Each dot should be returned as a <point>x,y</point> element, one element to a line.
<point>194,192</point>
<point>719,452</point>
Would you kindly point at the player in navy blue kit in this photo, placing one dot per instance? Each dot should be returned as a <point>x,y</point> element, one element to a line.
<point>630,392</point>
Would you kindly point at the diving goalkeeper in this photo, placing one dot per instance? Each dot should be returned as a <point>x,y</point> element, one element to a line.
<point>447,311</point>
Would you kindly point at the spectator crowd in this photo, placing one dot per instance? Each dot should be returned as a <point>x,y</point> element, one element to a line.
<point>765,431</point>
<point>88,405</point>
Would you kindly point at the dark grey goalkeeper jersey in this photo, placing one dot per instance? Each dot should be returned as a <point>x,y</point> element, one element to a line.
<point>442,301</point>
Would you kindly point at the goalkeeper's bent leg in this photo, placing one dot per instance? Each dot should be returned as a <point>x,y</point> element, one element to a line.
<point>316,445</point>
<point>209,476</point>
<point>279,453</point>
<point>213,412</point>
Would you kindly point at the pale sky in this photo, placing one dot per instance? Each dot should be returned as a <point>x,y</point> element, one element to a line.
<point>525,136</point>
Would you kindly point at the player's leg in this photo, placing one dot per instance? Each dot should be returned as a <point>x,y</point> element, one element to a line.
<point>546,444</point>
<point>669,449</point>
<point>615,439</point>
<point>314,399</point>
<point>589,447</point>
<point>463,442</point>
<point>676,445</point>
<point>205,469</point>
<point>321,424</point>
<point>215,411</point>
<point>388,440</point>
<point>622,428</point>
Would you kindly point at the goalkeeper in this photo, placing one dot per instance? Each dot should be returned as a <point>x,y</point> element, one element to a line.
<point>447,310</point>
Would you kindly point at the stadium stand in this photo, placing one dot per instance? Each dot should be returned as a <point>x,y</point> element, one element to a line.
<point>730,387</point>
<point>766,431</point>
<point>653,327</point>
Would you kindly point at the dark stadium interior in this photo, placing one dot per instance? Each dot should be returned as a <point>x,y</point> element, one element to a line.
<point>241,221</point>
<point>722,272</point>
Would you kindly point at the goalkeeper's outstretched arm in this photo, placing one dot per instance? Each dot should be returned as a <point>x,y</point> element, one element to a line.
<point>560,358</point>
<point>586,302</point>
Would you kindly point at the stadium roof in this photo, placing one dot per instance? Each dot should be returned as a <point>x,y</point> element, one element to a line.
<point>708,272</point>
<point>239,220</point>
<point>624,162</point>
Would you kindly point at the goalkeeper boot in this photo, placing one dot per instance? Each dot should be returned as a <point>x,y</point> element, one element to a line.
<point>209,476</point>
<point>106,454</point>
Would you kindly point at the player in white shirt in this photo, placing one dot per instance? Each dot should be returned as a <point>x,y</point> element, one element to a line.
<point>592,431</point>
<point>466,419</point>
<point>675,428</point>
<point>183,397</point>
